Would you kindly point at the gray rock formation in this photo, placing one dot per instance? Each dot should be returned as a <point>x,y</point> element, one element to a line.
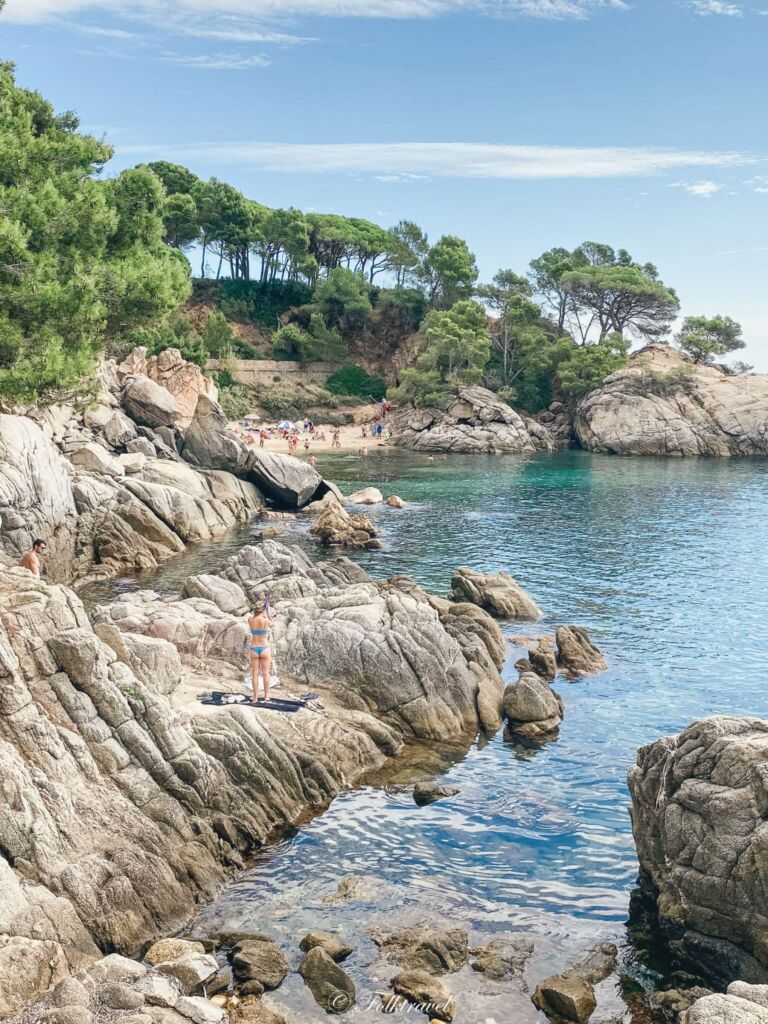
<point>96,519</point>
<point>532,708</point>
<point>698,817</point>
<point>336,948</point>
<point>209,444</point>
<point>662,404</point>
<point>496,592</point>
<point>742,1004</point>
<point>565,997</point>
<point>476,421</point>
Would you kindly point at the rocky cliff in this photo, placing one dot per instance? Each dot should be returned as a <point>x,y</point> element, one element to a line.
<point>120,484</point>
<point>699,806</point>
<point>124,801</point>
<point>662,404</point>
<point>476,421</point>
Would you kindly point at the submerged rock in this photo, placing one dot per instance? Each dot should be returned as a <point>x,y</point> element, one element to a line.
<point>430,792</point>
<point>496,592</point>
<point>331,987</point>
<point>504,958</point>
<point>336,948</point>
<point>432,950</point>
<point>426,993</point>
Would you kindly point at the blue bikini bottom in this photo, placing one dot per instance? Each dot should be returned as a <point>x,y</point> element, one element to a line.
<point>259,650</point>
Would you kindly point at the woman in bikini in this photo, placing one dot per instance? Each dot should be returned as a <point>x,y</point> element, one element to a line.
<point>260,623</point>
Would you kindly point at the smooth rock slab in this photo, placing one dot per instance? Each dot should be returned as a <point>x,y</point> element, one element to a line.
<point>366,496</point>
<point>200,1011</point>
<point>720,1009</point>
<point>331,987</point>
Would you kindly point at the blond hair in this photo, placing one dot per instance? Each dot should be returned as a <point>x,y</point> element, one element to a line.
<point>259,607</point>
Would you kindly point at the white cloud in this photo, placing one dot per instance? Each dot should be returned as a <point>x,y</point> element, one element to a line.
<point>448,159</point>
<point>758,184</point>
<point>157,10</point>
<point>105,33</point>
<point>216,61</point>
<point>704,8</point>
<point>699,189</point>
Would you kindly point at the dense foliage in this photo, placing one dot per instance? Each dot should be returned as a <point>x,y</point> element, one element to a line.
<point>81,259</point>
<point>355,381</point>
<point>86,262</point>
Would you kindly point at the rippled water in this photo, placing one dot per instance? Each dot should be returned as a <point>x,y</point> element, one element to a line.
<point>664,562</point>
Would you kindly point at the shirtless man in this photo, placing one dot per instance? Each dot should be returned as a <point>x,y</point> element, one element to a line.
<point>31,560</point>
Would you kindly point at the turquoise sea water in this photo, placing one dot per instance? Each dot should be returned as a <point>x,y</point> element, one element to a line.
<point>664,563</point>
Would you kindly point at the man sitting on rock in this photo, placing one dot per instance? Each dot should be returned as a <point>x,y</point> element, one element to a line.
<point>31,560</point>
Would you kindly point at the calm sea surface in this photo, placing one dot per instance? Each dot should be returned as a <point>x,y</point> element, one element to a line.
<point>665,562</point>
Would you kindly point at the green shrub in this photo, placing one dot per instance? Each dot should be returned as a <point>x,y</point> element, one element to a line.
<point>251,302</point>
<point>281,401</point>
<point>236,401</point>
<point>355,380</point>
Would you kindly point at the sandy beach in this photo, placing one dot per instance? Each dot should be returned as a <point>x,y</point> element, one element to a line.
<point>351,439</point>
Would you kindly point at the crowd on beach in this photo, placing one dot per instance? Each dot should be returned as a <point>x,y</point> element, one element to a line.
<point>306,436</point>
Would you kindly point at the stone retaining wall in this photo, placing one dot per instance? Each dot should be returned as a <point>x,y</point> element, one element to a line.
<point>254,372</point>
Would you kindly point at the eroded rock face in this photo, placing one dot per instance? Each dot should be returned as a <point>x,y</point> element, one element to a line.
<point>477,421</point>
<point>698,810</point>
<point>149,403</point>
<point>664,405</point>
<point>497,592</point>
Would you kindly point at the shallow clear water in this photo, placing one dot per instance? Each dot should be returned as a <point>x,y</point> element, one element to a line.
<point>664,562</point>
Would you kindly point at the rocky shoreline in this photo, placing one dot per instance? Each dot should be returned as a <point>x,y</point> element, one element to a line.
<point>660,404</point>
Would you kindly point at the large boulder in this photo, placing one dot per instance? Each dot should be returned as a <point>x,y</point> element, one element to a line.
<point>532,708</point>
<point>662,404</point>
<point>576,654</point>
<point>476,421</point>
<point>426,993</point>
<point>496,592</point>
<point>185,381</point>
<point>698,818</point>
<point>565,997</point>
<point>282,478</point>
<point>149,403</point>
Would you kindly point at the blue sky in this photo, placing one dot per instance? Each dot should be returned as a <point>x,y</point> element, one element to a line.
<point>517,124</point>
